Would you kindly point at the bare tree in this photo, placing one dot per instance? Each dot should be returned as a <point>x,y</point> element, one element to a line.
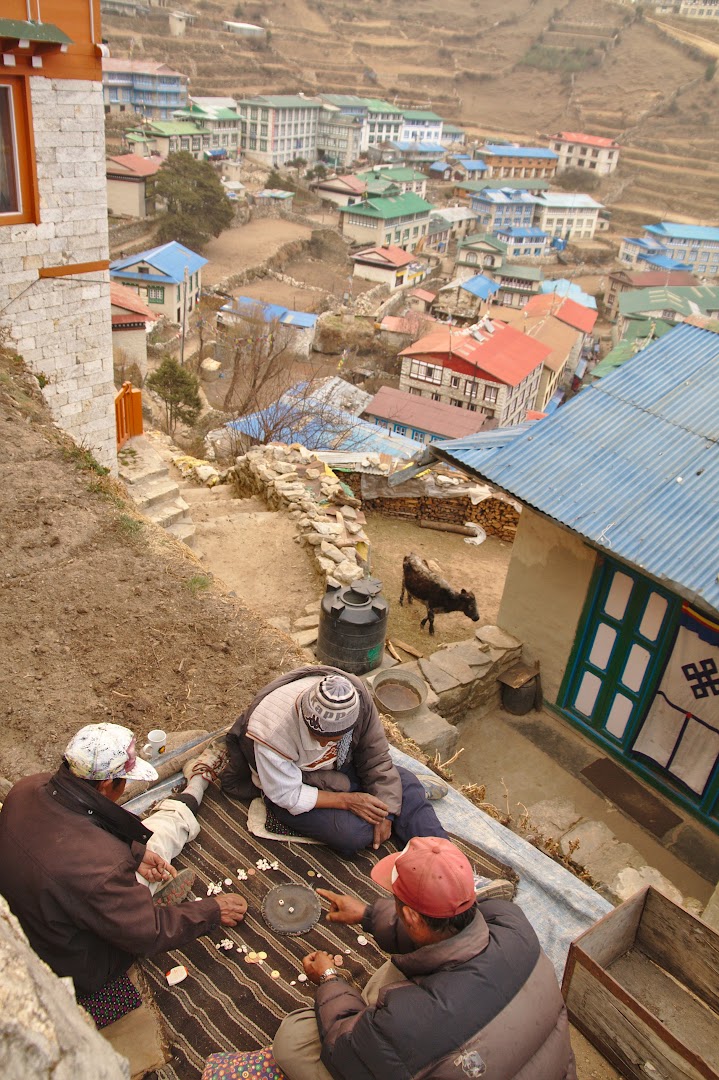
<point>260,354</point>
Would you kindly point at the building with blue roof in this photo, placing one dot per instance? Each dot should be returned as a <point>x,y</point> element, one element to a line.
<point>245,309</point>
<point>465,301</point>
<point>525,243</point>
<point>640,251</point>
<point>695,247</point>
<point>505,160</point>
<point>503,208</point>
<point>614,578</point>
<point>565,287</point>
<point>168,278</point>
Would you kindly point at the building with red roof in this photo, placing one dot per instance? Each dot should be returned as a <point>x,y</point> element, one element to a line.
<point>490,368</point>
<point>131,320</point>
<point>390,265</point>
<point>562,308</point>
<point>341,190</point>
<point>128,192</point>
<point>421,418</point>
<point>592,152</point>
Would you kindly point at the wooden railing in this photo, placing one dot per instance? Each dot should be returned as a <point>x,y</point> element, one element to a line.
<point>128,413</point>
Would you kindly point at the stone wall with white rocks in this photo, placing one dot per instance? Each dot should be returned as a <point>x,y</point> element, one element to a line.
<point>326,514</point>
<point>61,326</point>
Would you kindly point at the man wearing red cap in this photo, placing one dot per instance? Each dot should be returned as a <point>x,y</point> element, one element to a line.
<point>467,991</point>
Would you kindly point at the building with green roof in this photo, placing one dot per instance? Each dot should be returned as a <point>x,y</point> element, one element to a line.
<point>673,304</point>
<point>165,137</point>
<point>473,187</point>
<point>402,220</point>
<point>403,178</point>
<point>277,128</point>
<point>224,124</point>
<point>421,125</point>
<point>383,123</point>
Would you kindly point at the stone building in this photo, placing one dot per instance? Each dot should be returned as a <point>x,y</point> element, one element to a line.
<point>54,280</point>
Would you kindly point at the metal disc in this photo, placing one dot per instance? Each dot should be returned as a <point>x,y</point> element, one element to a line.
<point>305,905</point>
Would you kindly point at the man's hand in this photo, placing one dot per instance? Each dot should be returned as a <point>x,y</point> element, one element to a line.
<point>315,963</point>
<point>232,908</point>
<point>382,832</point>
<point>367,807</point>
<point>154,868</point>
<point>343,909</point>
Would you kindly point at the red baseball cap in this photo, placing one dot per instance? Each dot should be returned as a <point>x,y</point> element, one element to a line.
<point>431,875</point>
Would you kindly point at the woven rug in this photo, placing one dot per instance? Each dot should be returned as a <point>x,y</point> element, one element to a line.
<point>226,1003</point>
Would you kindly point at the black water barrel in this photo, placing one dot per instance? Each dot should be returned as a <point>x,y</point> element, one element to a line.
<point>519,700</point>
<point>353,627</point>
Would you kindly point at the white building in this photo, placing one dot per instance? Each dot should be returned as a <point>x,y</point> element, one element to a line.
<point>277,128</point>
<point>591,152</point>
<point>420,125</point>
<point>569,215</point>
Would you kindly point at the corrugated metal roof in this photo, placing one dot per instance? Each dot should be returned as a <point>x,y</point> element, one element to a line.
<point>631,463</point>
<point>520,151</point>
<point>169,259</point>
<point>676,231</point>
<point>480,286</point>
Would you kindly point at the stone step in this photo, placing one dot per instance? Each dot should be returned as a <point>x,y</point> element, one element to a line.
<point>184,531</point>
<point>431,732</point>
<point>154,492</point>
<point>141,472</point>
<point>169,513</point>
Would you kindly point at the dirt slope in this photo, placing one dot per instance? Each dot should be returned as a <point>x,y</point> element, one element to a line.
<point>104,617</point>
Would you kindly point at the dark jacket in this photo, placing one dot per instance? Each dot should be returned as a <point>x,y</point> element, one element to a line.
<point>369,752</point>
<point>71,882</point>
<point>483,1003</point>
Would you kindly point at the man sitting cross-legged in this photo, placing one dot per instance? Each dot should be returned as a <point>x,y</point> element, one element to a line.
<point>313,743</point>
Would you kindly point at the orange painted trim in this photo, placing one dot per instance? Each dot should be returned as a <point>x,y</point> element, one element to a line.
<point>73,268</point>
<point>25,144</point>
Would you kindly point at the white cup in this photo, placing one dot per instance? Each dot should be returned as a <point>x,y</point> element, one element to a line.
<point>155,744</point>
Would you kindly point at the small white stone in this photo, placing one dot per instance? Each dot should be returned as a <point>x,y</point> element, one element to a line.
<point>291,910</point>
<point>281,903</point>
<point>361,940</point>
<point>228,881</point>
<point>302,978</point>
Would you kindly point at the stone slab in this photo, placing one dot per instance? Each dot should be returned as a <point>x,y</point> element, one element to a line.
<point>305,638</point>
<point>439,679</point>
<point>306,622</point>
<point>591,836</point>
<point>553,817</point>
<point>311,608</point>
<point>497,638</point>
<point>454,665</point>
<point>431,732</point>
<point>470,652</point>
<point>632,879</point>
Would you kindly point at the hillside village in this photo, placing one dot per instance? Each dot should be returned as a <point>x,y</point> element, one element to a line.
<point>426,319</point>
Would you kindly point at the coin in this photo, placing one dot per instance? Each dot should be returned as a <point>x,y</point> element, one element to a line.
<point>361,940</point>
<point>262,956</point>
<point>339,960</point>
<point>251,870</point>
<point>275,974</point>
<point>250,959</point>
<point>310,873</point>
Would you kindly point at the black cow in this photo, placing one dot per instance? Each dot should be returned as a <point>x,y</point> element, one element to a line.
<point>424,583</point>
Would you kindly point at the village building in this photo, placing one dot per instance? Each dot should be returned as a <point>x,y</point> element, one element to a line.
<point>503,208</point>
<point>151,89</point>
<point>222,121</point>
<point>420,154</point>
<point>623,280</point>
<point>244,29</point>
<point>592,152</point>
<point>624,616</point>
<point>439,170</point>
<point>453,135</point>
<point>577,318</point>
<point>438,236</point>
<point>402,178</point>
<point>525,243</point>
<point>491,368</point>
<point>297,326</point>
<point>568,215</point>
<point>521,162</point>
<point>461,220</point>
<point>399,331</point>
<point>468,188</point>
<point>131,322</point>
<point>517,283</point>
<point>390,265</point>
<point>402,220</point>
<point>383,124</point>
<point>421,126</point>
<point>130,190</point>
<point>277,128</point>
<point>563,287</point>
<point>468,168</point>
<point>339,136</point>
<point>478,250</point>
<point>167,278</point>
<point>641,253</point>
<point>340,190</point>
<point>674,304</point>
<point>465,301</point>
<point>420,299</point>
<point>164,137</point>
<point>695,246</point>
<point>54,280</point>
<point>420,418</point>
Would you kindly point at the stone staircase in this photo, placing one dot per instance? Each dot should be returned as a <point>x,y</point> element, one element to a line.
<point>152,489</point>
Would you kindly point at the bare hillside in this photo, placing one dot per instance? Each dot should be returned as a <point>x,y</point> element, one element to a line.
<point>522,68</point>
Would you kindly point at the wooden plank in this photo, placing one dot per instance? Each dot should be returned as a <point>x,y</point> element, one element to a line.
<point>73,268</point>
<point>409,649</point>
<point>614,933</point>
<point>681,944</point>
<point>624,1038</point>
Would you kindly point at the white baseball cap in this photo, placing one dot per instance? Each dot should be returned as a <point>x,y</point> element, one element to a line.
<point>106,752</point>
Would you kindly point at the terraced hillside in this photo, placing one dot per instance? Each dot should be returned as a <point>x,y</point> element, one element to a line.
<point>519,68</point>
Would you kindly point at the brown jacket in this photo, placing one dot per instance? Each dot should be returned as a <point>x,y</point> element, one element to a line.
<point>72,885</point>
<point>369,753</point>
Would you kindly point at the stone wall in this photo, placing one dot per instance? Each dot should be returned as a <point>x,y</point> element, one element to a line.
<point>61,325</point>
<point>43,1033</point>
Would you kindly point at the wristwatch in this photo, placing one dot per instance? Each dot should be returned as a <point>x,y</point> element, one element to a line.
<point>328,973</point>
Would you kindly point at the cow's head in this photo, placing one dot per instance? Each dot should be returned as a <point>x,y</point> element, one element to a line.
<point>469,605</point>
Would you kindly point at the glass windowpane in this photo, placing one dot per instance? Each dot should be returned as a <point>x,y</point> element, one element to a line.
<point>618,596</point>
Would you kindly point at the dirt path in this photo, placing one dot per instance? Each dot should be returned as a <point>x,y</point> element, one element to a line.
<point>248,245</point>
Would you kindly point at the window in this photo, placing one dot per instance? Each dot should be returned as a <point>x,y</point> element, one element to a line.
<point>454,381</point>
<point>470,388</point>
<point>429,372</point>
<point>436,397</point>
<point>400,429</point>
<point>156,294</point>
<point>457,402</point>
<point>18,199</point>
<point>490,393</point>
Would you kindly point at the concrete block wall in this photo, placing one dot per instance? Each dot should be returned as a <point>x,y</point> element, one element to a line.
<point>61,326</point>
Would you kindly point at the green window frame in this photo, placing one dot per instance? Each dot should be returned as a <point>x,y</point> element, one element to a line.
<point>156,294</point>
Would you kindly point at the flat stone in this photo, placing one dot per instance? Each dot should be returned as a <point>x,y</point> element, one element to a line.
<point>470,653</point>
<point>348,512</point>
<point>305,638</point>
<point>439,679</point>
<point>632,879</point>
<point>553,817</point>
<point>591,836</point>
<point>307,621</point>
<point>431,732</point>
<point>313,474</point>
<point>331,552</point>
<point>454,665</point>
<point>348,571</point>
<point>281,622</point>
<point>497,638</point>
<point>326,565</point>
<point>310,609</point>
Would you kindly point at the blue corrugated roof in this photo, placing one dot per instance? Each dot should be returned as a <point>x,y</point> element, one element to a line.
<point>170,259</point>
<point>310,422</point>
<point>631,463</point>
<point>565,287</point>
<point>473,164</point>
<point>246,305</point>
<point>480,286</point>
<point>520,151</point>
<point>673,230</point>
<point>422,147</point>
<point>439,166</point>
<point>663,262</point>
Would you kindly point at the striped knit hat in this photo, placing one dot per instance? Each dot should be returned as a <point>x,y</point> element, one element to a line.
<point>331,706</point>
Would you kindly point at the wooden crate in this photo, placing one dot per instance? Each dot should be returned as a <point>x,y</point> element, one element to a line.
<point>642,985</point>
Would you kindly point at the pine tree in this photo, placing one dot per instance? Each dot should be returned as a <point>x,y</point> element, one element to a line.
<point>178,389</point>
<point>197,206</point>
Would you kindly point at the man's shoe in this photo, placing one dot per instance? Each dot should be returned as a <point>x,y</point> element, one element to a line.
<point>210,762</point>
<point>493,889</point>
<point>434,788</point>
<point>175,890</point>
